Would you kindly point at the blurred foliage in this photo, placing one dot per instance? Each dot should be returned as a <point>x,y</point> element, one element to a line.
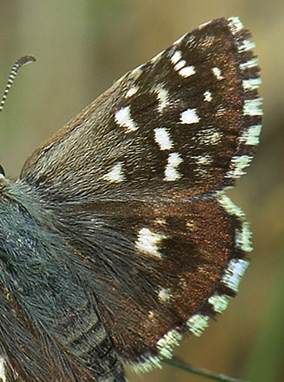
<point>81,48</point>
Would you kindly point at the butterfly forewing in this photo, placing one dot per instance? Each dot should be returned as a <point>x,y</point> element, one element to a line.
<point>135,186</point>
<point>176,122</point>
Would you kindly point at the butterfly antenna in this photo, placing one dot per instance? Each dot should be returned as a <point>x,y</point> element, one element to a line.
<point>14,71</point>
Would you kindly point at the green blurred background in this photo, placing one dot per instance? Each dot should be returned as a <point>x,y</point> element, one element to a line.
<point>81,48</point>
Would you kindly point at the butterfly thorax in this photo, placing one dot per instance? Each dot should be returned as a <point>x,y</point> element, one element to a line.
<point>64,308</point>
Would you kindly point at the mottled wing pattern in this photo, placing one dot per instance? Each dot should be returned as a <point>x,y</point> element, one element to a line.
<point>186,120</point>
<point>136,183</point>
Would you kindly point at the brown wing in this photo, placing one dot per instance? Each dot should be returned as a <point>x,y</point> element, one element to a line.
<point>135,184</point>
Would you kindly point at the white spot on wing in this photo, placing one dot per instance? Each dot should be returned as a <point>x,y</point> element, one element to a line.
<point>229,206</point>
<point>176,57</point>
<point>217,73</point>
<point>197,323</point>
<point>162,95</point>
<point>148,242</point>
<point>208,96</point>
<point>242,238</point>
<point>187,71</point>
<point>246,45</point>
<point>184,71</point>
<point>234,272</point>
<point>252,83</point>
<point>249,64</point>
<point>165,295</point>
<point>253,106</point>
<point>131,91</point>
<point>251,136</point>
<point>145,366</point>
<point>166,344</point>
<point>123,118</point>
<point>239,163</point>
<point>115,175</point>
<point>171,173</point>
<point>189,116</point>
<point>235,24</point>
<point>162,137</point>
<point>180,64</point>
<point>219,303</point>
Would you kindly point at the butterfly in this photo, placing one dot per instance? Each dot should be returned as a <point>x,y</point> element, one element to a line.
<point>118,237</point>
